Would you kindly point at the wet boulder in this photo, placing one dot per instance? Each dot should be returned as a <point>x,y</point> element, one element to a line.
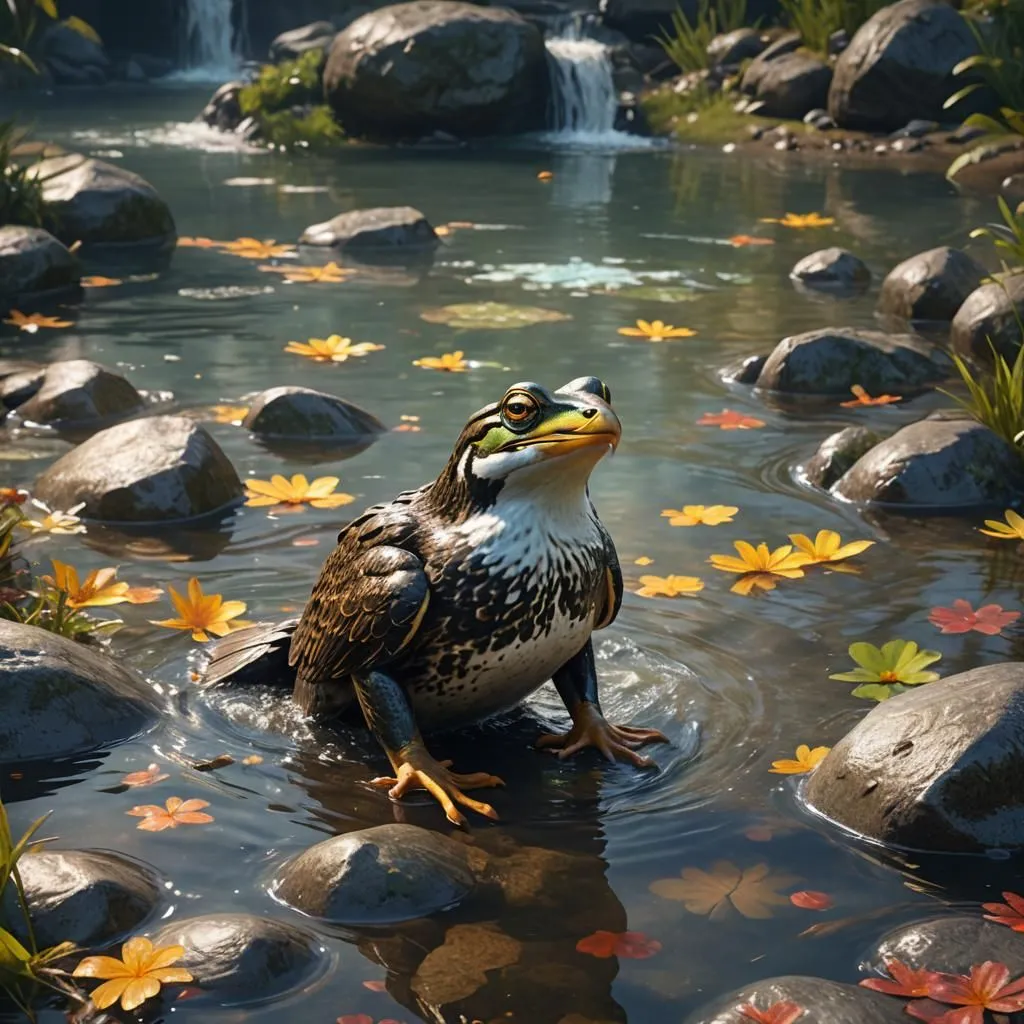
<point>832,360</point>
<point>96,203</point>
<point>89,897</point>
<point>791,85</point>
<point>318,35</point>
<point>59,698</point>
<point>77,393</point>
<point>939,768</point>
<point>731,48</point>
<point>760,66</point>
<point>157,469</point>
<point>838,453</point>
<point>224,110</point>
<point>745,370</point>
<point>411,69</point>
<point>931,285</point>
<point>302,414</point>
<point>899,66</point>
<point>833,269</point>
<point>20,379</point>
<point>33,263</point>
<point>242,958</point>
<point>820,1002</point>
<point>950,944</point>
<point>70,57</point>
<point>940,463</point>
<point>394,229</point>
<point>377,875</point>
<point>993,313</point>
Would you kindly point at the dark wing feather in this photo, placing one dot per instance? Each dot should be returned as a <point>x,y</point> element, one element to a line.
<point>611,600</point>
<point>365,608</point>
<point>257,654</point>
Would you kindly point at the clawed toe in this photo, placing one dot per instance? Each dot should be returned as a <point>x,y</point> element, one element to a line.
<point>444,786</point>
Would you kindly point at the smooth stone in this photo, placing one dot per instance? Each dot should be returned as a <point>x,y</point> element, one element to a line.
<point>792,84</point>
<point>317,35</point>
<point>384,227</point>
<point>899,67</point>
<point>157,469</point>
<point>931,285</point>
<point>70,57</point>
<point>941,463</point>
<point>950,944</point>
<point>378,875</point>
<point>89,897</point>
<point>32,263</point>
<point>76,393</point>
<point>832,360</point>
<point>746,370</point>
<point>837,454</point>
<point>389,74</point>
<point>96,203</point>
<point>59,698</point>
<point>242,958</point>
<point>917,129</point>
<point>734,47</point>
<point>823,1002</point>
<point>224,109</point>
<point>304,414</point>
<point>832,269</point>
<point>758,68</point>
<point>993,313</point>
<point>939,768</point>
<point>20,379</point>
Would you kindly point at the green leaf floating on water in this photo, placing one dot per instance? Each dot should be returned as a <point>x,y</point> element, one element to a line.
<point>888,670</point>
<point>658,293</point>
<point>494,316</point>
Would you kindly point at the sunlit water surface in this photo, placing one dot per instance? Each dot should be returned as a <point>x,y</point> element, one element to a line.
<point>735,682</point>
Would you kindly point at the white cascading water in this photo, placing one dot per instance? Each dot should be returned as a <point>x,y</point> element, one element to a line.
<point>209,38</point>
<point>585,100</point>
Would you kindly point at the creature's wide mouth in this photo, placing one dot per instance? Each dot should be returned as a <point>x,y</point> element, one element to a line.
<point>565,442</point>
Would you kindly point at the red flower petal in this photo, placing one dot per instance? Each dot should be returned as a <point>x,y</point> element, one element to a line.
<point>808,899</point>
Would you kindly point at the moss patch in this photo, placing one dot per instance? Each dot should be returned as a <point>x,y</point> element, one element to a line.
<point>692,117</point>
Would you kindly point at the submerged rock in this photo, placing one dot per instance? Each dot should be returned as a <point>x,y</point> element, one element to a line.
<point>938,768</point>
<point>391,228</point>
<point>389,74</point>
<point>899,66</point>
<point>931,285</point>
<point>59,698</point>
<point>831,361</point>
<point>940,463</point>
<point>950,944</point>
<point>96,203</point>
<point>77,393</point>
<point>34,263</point>
<point>302,414</point>
<point>822,1002</point>
<point>992,312</point>
<point>832,269</point>
<point>89,897</point>
<point>241,958</point>
<point>158,469</point>
<point>377,875</point>
<point>837,454</point>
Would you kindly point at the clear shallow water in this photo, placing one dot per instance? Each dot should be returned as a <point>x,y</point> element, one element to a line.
<point>735,682</point>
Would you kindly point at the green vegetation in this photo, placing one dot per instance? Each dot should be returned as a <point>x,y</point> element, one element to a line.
<point>995,398</point>
<point>1008,236</point>
<point>21,192</point>
<point>698,115</point>
<point>687,44</point>
<point>20,22</point>
<point>817,20</point>
<point>284,102</point>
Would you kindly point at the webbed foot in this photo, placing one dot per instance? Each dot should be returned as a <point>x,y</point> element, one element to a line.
<point>615,742</point>
<point>418,770</point>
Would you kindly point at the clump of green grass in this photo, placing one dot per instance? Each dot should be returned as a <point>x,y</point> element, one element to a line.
<point>995,398</point>
<point>698,115</point>
<point>1009,236</point>
<point>817,20</point>
<point>687,44</point>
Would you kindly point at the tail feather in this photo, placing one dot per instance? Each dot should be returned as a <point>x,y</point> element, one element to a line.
<point>257,654</point>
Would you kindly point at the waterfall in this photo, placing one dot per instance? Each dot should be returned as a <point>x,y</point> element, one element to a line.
<point>209,38</point>
<point>585,99</point>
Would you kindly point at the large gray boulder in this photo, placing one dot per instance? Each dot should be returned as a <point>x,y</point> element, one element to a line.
<point>33,263</point>
<point>438,65</point>
<point>89,897</point>
<point>242,958</point>
<point>791,85</point>
<point>931,285</point>
<point>157,469</point>
<point>832,360</point>
<point>938,768</point>
<point>993,312</point>
<point>77,393</point>
<point>96,203</point>
<point>760,67</point>
<point>59,698</point>
<point>899,66</point>
<point>939,463</point>
<point>377,876</point>
<point>392,228</point>
<point>302,414</point>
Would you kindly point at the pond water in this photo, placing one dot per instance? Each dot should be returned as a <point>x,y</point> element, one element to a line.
<point>734,681</point>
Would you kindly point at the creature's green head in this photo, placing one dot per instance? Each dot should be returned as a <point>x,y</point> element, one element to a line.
<point>534,436</point>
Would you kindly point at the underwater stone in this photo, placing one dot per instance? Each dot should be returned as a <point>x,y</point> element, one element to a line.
<point>59,698</point>
<point>823,1002</point>
<point>993,313</point>
<point>157,469</point>
<point>304,414</point>
<point>939,462</point>
<point>89,897</point>
<point>831,361</point>
<point>382,227</point>
<point>32,263</point>
<point>832,269</point>
<point>938,768</point>
<point>378,875</point>
<point>77,392</point>
<point>241,958</point>
<point>931,285</point>
<point>837,454</point>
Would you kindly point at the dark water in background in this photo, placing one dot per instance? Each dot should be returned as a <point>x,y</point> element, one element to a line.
<point>735,682</point>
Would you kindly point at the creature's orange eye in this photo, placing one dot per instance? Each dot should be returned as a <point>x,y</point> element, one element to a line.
<point>519,408</point>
